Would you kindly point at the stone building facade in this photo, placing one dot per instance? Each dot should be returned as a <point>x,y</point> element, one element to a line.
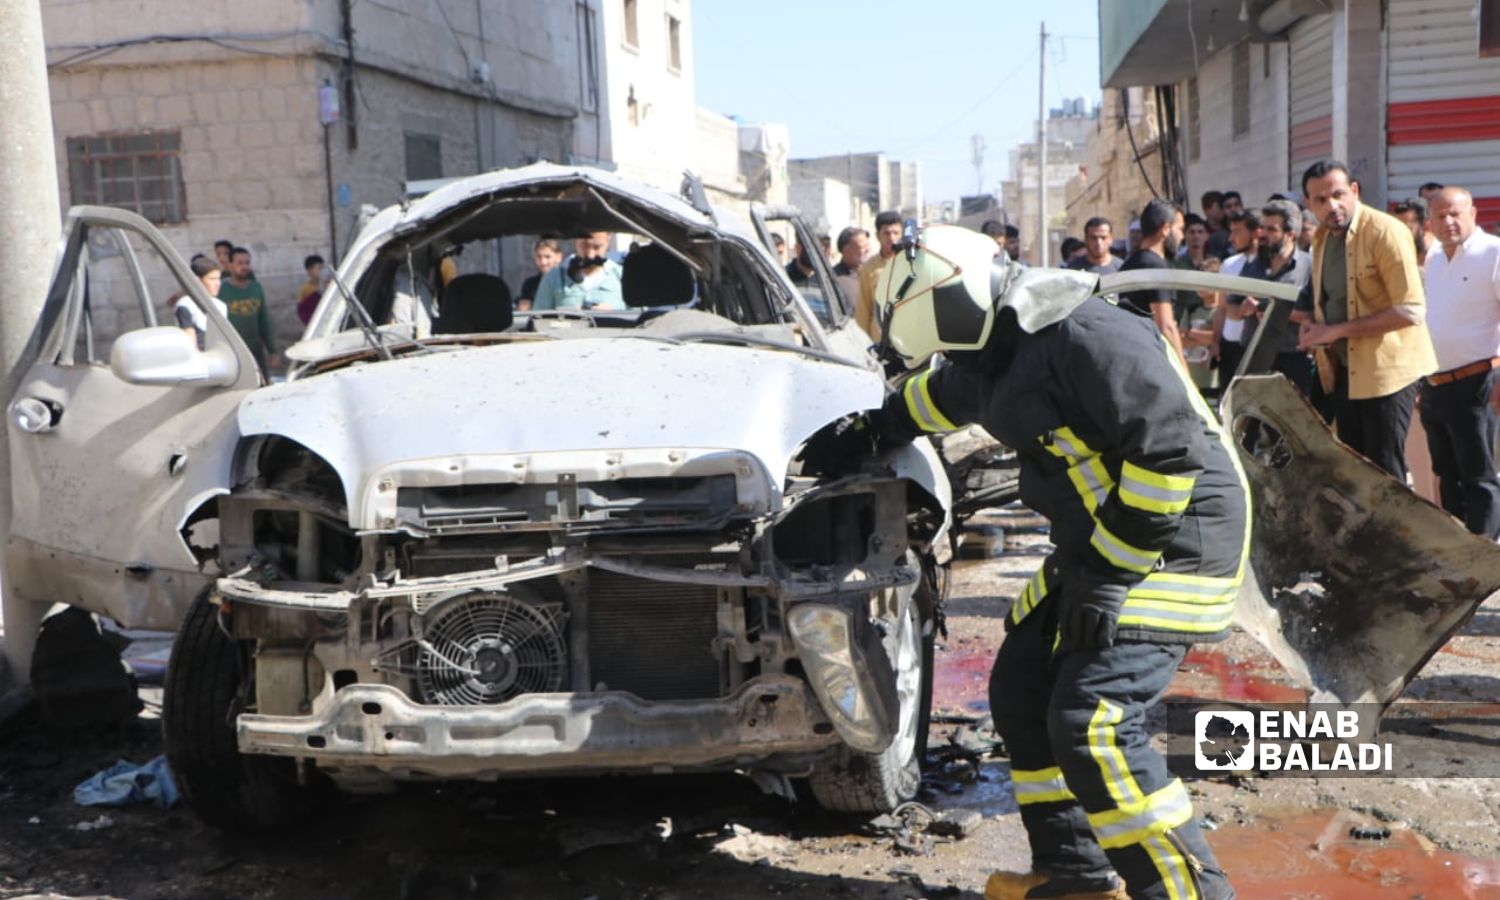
<point>220,131</point>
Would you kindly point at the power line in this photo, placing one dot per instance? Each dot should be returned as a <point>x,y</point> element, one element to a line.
<point>989,95</point>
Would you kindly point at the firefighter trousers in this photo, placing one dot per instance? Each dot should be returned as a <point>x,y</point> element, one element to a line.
<point>1093,795</point>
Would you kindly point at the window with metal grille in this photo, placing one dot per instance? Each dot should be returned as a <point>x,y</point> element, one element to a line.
<point>674,44</point>
<point>1240,99</point>
<point>424,156</point>
<point>139,171</point>
<point>1194,134</point>
<point>632,31</point>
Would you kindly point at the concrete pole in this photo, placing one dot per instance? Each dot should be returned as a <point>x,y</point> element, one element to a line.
<point>1041,170</point>
<point>29,229</point>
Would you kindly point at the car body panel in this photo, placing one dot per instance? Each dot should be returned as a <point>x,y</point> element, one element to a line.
<point>1356,580</point>
<point>479,413</point>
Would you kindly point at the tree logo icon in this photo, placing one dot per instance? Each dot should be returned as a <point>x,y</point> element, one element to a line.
<point>1225,740</point>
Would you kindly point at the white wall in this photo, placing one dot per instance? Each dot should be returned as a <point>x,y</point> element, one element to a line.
<point>1255,163</point>
<point>652,118</point>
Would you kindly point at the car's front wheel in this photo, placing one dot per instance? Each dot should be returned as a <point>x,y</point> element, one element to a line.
<point>851,781</point>
<point>207,676</point>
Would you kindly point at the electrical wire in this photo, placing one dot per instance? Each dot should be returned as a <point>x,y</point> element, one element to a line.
<point>1130,132</point>
<point>1003,83</point>
<point>91,52</point>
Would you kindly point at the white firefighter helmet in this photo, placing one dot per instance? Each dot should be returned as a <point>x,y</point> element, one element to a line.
<point>942,295</point>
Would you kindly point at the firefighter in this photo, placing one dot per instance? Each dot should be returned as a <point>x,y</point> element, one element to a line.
<point>1151,522</point>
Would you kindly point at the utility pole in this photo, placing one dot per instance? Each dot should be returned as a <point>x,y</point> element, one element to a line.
<point>30,227</point>
<point>976,156</point>
<point>1041,170</point>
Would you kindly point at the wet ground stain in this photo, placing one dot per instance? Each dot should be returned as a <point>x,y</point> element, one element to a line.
<point>1208,675</point>
<point>961,678</point>
<point>1313,856</point>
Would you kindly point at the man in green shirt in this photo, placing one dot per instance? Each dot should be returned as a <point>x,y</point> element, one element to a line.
<point>247,311</point>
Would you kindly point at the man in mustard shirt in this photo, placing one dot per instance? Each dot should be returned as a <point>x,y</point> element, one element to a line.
<point>887,232</point>
<point>1364,317</point>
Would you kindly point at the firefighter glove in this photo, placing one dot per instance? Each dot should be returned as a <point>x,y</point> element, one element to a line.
<point>1088,614</point>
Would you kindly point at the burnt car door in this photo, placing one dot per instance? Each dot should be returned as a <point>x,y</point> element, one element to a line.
<point>122,430</point>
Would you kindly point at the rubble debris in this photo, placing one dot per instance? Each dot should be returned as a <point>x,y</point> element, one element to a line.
<point>749,846</point>
<point>956,823</point>
<point>914,880</point>
<point>99,824</point>
<point>126,783</point>
<point>912,827</point>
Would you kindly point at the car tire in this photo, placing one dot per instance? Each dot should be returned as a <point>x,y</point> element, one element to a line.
<point>227,789</point>
<point>849,781</point>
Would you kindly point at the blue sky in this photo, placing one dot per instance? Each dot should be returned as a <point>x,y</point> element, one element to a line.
<point>912,79</point>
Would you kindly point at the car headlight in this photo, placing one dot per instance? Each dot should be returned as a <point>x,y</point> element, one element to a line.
<point>849,671</point>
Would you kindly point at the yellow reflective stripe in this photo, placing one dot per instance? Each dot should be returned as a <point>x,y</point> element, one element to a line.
<point>1184,578</point>
<point>1214,597</point>
<point>1200,406</point>
<point>1031,595</point>
<point>1156,479</point>
<point>1106,753</point>
<point>1154,492</point>
<point>920,407</point>
<point>1040,786</point>
<point>1066,443</point>
<point>1173,869</point>
<point>1191,624</point>
<point>1202,590</point>
<point>1120,554</point>
<point>1134,822</point>
<point>1092,482</point>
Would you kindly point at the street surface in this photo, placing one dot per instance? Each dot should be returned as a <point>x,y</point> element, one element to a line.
<point>689,837</point>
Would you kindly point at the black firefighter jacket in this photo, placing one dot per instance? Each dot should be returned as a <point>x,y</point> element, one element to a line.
<point>1117,448</point>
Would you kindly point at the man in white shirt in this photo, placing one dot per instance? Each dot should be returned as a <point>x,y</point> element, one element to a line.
<point>1229,321</point>
<point>1462,278</point>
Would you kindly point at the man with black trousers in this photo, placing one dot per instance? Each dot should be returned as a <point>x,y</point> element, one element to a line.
<point>1150,519</point>
<point>1462,277</point>
<point>1365,317</point>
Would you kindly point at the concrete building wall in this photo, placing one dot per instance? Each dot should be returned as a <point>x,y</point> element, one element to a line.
<point>652,113</point>
<point>250,155</point>
<point>1066,152</point>
<point>493,84</point>
<point>867,175</point>
<point>1254,163</point>
<point>828,206</point>
<point>1109,183</point>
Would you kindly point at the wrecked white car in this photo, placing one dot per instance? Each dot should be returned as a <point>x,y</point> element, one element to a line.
<point>462,544</point>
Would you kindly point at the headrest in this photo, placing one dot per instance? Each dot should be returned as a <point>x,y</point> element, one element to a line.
<point>477,303</point>
<point>652,276</point>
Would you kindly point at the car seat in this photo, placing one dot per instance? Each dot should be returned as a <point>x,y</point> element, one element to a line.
<point>651,276</point>
<point>476,303</point>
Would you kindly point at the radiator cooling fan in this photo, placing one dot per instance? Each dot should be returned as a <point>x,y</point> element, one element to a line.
<point>487,647</point>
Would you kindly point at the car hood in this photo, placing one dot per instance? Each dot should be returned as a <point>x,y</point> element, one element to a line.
<point>563,397</point>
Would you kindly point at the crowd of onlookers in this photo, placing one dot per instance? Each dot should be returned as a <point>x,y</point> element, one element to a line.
<point>1398,314</point>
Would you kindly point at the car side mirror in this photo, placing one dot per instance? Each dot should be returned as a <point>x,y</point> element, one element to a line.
<point>167,355</point>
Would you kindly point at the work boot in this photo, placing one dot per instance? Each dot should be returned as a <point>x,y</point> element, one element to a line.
<point>1039,886</point>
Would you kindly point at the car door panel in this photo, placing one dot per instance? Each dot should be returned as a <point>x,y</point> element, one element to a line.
<point>100,497</point>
